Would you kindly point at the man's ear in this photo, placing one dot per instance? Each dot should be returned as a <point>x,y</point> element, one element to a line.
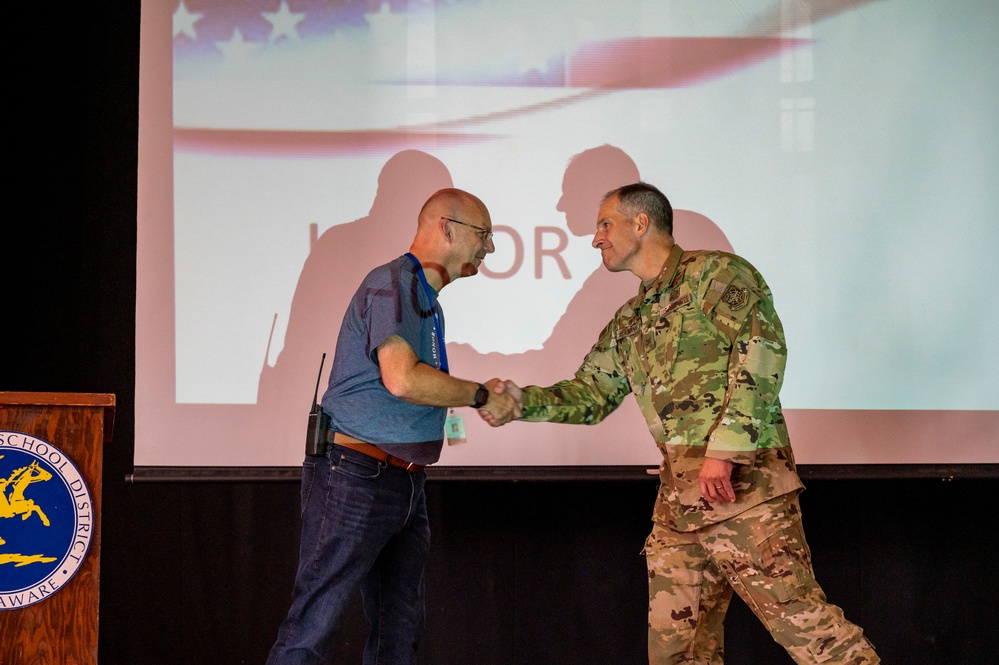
<point>641,223</point>
<point>445,230</point>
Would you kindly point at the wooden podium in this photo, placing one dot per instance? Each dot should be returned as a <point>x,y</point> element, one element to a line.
<point>62,627</point>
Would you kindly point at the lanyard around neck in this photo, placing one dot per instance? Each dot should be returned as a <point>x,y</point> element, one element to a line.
<point>438,328</point>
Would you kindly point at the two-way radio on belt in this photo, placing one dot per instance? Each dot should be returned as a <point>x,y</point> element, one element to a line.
<point>317,436</point>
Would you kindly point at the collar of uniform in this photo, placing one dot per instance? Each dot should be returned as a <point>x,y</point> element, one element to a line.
<point>662,282</point>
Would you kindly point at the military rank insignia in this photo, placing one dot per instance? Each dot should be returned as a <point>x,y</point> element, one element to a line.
<point>736,297</point>
<point>46,520</point>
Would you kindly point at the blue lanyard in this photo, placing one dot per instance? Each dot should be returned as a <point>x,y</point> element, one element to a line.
<point>438,328</point>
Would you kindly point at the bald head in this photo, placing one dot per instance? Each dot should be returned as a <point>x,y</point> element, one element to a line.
<point>452,203</point>
<point>454,234</point>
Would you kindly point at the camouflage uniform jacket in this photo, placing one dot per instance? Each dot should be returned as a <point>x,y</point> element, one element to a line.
<point>703,351</point>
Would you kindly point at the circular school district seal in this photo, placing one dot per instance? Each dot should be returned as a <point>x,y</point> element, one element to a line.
<point>46,520</point>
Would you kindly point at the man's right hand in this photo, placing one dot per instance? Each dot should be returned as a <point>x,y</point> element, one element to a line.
<point>504,405</point>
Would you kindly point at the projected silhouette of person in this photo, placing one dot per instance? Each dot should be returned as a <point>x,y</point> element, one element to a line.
<point>337,262</point>
<point>589,175</point>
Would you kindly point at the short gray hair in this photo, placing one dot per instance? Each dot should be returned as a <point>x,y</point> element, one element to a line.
<point>643,197</point>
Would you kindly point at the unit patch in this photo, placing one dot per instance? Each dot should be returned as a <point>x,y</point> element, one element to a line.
<point>736,297</point>
<point>46,520</point>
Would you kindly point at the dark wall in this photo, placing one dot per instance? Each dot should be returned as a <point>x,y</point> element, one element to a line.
<point>520,572</point>
<point>542,572</point>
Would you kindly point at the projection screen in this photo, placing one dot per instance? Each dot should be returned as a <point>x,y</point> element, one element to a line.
<point>847,149</point>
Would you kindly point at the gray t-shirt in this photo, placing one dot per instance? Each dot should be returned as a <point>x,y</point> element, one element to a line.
<point>390,301</point>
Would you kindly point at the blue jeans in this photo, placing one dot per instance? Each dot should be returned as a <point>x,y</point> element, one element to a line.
<point>364,525</point>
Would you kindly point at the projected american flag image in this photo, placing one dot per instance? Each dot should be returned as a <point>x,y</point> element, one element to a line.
<point>485,49</point>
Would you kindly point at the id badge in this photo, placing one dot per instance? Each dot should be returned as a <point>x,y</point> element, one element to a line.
<point>454,428</point>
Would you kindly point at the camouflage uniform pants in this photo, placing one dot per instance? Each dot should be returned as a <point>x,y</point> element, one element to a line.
<point>762,555</point>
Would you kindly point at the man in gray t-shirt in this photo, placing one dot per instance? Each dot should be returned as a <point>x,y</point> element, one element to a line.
<point>364,515</point>
<point>390,303</point>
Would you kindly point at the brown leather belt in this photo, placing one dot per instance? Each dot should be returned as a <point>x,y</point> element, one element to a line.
<point>374,451</point>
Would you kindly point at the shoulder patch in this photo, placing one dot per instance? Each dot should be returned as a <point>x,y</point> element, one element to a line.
<point>736,297</point>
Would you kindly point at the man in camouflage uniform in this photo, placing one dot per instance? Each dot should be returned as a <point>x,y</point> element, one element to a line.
<point>703,351</point>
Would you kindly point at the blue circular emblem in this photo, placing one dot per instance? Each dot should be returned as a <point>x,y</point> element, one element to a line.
<point>46,520</point>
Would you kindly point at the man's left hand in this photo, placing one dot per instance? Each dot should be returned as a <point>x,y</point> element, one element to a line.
<point>716,481</point>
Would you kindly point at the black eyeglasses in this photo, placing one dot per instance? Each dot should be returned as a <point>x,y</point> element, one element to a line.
<point>479,231</point>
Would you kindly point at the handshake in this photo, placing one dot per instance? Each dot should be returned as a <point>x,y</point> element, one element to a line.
<point>505,402</point>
